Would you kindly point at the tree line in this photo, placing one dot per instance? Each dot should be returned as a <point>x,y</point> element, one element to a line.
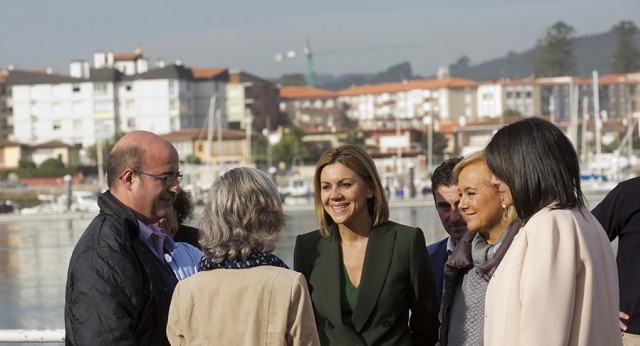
<point>554,55</point>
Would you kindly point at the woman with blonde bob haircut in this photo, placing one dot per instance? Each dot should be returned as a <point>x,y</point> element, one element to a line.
<point>491,228</point>
<point>370,279</point>
<point>242,293</point>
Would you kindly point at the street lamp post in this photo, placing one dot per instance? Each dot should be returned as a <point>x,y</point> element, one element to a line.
<point>248,121</point>
<point>398,143</point>
<point>429,122</point>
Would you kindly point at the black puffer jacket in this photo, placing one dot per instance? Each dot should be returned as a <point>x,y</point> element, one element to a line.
<point>118,292</point>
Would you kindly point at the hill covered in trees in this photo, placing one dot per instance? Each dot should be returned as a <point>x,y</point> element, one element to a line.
<point>592,52</point>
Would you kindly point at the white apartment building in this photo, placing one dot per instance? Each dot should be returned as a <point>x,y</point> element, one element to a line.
<point>496,98</point>
<point>312,107</point>
<point>121,95</point>
<point>410,104</point>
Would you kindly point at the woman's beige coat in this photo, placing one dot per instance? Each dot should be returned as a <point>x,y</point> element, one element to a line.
<point>262,305</point>
<point>557,285</point>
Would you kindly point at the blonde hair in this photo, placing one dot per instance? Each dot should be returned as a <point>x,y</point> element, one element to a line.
<point>509,215</point>
<point>357,160</point>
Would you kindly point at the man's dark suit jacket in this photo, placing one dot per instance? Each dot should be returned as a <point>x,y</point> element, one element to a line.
<point>438,256</point>
<point>396,278</point>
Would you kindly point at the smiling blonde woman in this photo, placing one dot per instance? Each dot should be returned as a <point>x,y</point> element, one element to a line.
<point>370,279</point>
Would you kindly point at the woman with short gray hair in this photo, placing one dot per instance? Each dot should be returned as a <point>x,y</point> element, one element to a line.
<point>243,294</point>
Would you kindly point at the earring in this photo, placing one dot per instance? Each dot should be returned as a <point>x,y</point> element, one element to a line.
<point>504,205</point>
<point>370,195</point>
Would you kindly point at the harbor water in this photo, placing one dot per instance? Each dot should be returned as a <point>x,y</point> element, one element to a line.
<point>35,252</point>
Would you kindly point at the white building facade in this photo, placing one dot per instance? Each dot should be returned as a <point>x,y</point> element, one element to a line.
<point>97,104</point>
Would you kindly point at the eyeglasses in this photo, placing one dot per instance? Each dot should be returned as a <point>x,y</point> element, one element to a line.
<point>167,179</point>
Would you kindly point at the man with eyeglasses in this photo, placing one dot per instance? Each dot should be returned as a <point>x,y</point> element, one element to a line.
<point>119,286</point>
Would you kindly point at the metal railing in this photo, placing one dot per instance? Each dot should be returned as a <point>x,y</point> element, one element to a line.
<point>30,335</point>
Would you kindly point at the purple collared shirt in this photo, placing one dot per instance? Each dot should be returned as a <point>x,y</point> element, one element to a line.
<point>154,239</point>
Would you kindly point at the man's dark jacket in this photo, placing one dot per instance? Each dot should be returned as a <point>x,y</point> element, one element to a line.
<point>438,255</point>
<point>118,292</point>
<point>619,214</point>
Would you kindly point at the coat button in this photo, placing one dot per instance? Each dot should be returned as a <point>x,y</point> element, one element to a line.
<point>330,325</point>
<point>385,322</point>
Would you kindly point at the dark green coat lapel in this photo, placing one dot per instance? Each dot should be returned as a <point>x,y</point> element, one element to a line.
<point>377,261</point>
<point>327,276</point>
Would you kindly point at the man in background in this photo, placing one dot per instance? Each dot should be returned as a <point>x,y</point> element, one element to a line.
<point>444,187</point>
<point>619,214</point>
<point>119,286</point>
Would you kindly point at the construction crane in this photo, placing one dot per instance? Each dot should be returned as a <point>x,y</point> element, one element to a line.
<point>309,54</point>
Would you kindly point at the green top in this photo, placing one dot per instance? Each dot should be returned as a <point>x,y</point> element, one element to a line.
<point>349,297</point>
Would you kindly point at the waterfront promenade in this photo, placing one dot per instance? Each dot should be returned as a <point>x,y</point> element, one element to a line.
<point>35,252</point>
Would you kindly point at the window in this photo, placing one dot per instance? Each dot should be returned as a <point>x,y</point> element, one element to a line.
<point>75,88</point>
<point>101,88</point>
<point>131,123</point>
<point>128,87</point>
<point>173,105</point>
<point>102,106</point>
<point>56,125</point>
<point>57,108</point>
<point>129,104</point>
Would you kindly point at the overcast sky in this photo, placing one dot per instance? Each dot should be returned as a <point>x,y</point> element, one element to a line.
<point>345,35</point>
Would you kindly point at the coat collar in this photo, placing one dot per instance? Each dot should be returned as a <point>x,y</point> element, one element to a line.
<point>377,260</point>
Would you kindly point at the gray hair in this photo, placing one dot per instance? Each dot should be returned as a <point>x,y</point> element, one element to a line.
<point>243,214</point>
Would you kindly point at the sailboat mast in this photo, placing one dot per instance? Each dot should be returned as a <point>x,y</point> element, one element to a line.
<point>212,107</point>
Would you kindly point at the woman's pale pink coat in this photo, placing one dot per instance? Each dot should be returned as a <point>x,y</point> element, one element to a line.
<point>557,285</point>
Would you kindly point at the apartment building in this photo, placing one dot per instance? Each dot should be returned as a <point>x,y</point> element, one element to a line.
<point>621,94</point>
<point>251,100</point>
<point>506,95</point>
<point>310,107</point>
<point>230,148</point>
<point>409,104</point>
<point>121,95</point>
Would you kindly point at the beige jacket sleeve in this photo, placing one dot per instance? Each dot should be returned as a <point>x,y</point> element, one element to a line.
<point>175,331</point>
<point>302,323</point>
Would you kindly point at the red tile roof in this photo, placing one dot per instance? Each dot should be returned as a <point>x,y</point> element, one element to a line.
<point>201,72</point>
<point>450,83</point>
<point>509,81</point>
<point>127,56</point>
<point>303,92</point>
<point>620,78</point>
